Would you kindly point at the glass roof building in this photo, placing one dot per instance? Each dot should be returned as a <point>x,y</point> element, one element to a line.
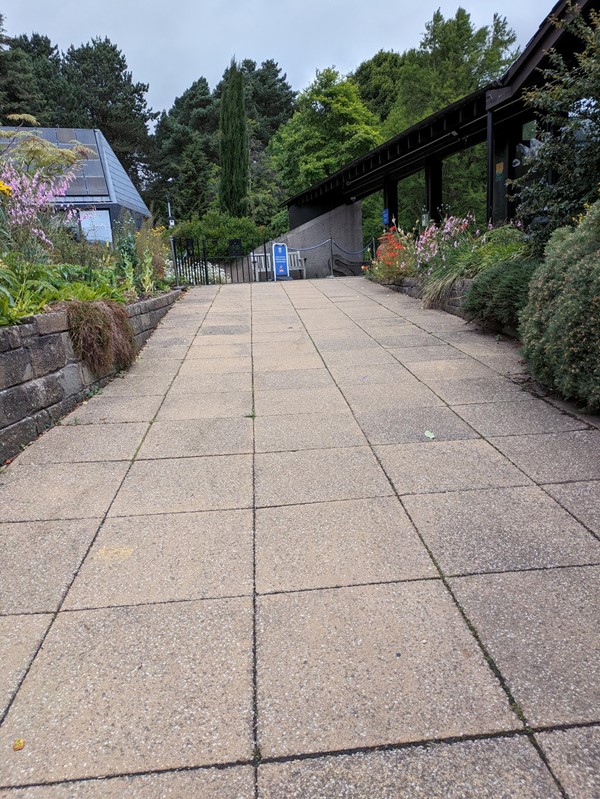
<point>101,190</point>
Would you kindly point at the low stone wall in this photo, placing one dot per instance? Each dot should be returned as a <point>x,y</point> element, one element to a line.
<point>413,286</point>
<point>41,378</point>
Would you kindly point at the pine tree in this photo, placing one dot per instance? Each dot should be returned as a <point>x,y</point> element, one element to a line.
<point>233,188</point>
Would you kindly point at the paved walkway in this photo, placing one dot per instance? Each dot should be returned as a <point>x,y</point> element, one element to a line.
<point>317,543</point>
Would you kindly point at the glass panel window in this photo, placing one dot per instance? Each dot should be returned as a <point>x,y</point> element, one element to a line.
<point>95,225</point>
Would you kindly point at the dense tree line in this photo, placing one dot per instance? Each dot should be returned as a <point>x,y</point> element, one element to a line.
<point>245,145</point>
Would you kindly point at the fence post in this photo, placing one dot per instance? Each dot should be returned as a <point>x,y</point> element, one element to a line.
<point>174,256</point>
<point>331,255</point>
<point>205,261</point>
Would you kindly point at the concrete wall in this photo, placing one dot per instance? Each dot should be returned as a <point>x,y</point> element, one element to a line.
<point>343,225</point>
<point>41,379</point>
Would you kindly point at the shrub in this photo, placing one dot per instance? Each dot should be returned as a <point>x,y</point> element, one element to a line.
<point>395,257</point>
<point>560,325</point>
<point>499,293</point>
<point>102,335</point>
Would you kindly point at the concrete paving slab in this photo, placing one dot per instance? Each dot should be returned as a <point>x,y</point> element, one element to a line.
<point>85,442</point>
<point>413,424</point>
<point>331,676</point>
<point>506,767</point>
<point>112,410</point>
<point>137,386</point>
<point>209,328</point>
<point>542,630</point>
<point>504,364</point>
<point>219,351</point>
<point>478,390</point>
<point>196,382</point>
<point>186,484</point>
<point>290,478</point>
<point>356,357</point>
<point>39,560</point>
<point>580,499</point>
<point>75,491</point>
<point>500,529</point>
<point>20,637</point>
<point>307,431</point>
<point>574,756</point>
<point>197,437</point>
<point>434,353</point>
<point>144,368</point>
<point>213,341</point>
<point>181,556</point>
<point>452,369</point>
<point>207,783</point>
<point>292,336</point>
<point>217,365</point>
<point>330,544</point>
<point>406,338</point>
<point>447,466</point>
<point>364,374</point>
<point>206,405</point>
<point>392,396</point>
<point>517,418</point>
<point>135,689</point>
<point>555,457</point>
<point>168,353</point>
<point>299,401</point>
<point>275,363</point>
<point>292,379</point>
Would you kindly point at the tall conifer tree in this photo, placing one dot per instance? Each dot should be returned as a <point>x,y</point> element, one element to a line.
<point>235,168</point>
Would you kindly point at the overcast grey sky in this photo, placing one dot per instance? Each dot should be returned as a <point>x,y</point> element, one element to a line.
<point>171,44</point>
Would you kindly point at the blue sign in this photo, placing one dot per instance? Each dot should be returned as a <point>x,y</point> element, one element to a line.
<point>385,216</point>
<point>280,261</point>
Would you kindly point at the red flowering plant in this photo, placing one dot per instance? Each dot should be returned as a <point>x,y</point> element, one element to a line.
<point>395,257</point>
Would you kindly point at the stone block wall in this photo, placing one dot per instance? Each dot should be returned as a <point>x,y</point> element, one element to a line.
<point>41,379</point>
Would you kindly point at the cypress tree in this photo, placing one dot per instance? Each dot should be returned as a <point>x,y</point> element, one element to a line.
<point>235,168</point>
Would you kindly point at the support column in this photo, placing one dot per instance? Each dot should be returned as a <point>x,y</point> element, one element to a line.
<point>491,166</point>
<point>390,198</point>
<point>433,188</point>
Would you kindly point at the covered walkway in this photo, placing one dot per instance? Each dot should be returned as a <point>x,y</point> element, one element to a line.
<point>317,542</point>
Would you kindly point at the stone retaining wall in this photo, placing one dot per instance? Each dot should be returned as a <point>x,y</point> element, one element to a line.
<point>413,286</point>
<point>41,378</point>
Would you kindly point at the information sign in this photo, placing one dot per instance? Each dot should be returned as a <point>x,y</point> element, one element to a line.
<point>280,261</point>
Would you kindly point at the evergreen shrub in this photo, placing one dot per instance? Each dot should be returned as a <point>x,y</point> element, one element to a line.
<point>499,293</point>
<point>560,325</point>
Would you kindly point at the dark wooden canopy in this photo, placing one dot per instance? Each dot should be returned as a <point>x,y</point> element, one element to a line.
<point>495,113</point>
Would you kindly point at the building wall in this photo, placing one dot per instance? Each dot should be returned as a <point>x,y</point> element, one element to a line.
<point>343,225</point>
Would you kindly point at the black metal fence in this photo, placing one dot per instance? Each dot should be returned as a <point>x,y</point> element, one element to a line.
<point>202,262</point>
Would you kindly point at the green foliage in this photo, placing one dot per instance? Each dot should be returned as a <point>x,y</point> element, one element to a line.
<point>100,93</point>
<point>233,131</point>
<point>560,325</point>
<point>499,293</point>
<point>379,80</point>
<point>102,335</point>
<point>453,59</point>
<point>563,171</point>
<point>331,127</point>
<point>216,228</point>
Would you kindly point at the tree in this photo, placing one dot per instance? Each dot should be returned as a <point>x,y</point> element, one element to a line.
<point>18,88</point>
<point>233,187</point>
<point>563,172</point>
<point>101,93</point>
<point>331,127</point>
<point>453,59</point>
<point>48,86</point>
<point>378,80</point>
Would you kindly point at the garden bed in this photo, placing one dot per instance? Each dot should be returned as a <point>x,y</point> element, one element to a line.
<point>41,378</point>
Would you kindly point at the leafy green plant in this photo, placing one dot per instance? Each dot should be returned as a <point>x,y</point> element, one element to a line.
<point>499,293</point>
<point>560,325</point>
<point>102,335</point>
